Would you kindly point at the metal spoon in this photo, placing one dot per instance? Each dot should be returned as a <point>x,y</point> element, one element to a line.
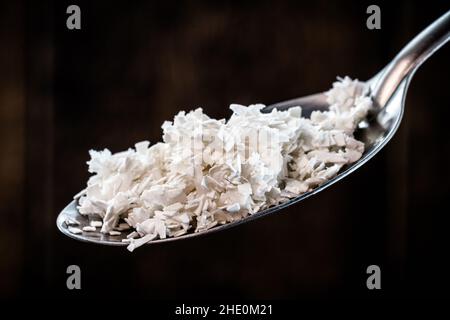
<point>388,90</point>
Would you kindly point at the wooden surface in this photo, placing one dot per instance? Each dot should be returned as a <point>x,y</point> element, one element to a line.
<point>131,67</point>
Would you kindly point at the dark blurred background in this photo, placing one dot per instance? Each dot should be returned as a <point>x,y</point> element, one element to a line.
<point>134,64</point>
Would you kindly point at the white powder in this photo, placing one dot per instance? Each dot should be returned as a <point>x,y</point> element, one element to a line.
<point>208,172</point>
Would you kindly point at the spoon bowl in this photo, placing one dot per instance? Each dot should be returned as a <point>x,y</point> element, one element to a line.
<point>388,91</point>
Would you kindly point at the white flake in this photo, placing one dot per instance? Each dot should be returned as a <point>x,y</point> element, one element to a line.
<point>89,229</point>
<point>96,224</point>
<point>75,230</point>
<point>208,172</point>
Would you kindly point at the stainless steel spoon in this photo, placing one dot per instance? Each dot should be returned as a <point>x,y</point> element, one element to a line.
<point>388,90</point>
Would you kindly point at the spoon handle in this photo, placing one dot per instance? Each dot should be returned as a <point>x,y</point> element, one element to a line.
<point>416,52</point>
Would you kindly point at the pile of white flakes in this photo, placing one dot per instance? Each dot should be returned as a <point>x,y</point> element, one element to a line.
<point>209,172</point>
